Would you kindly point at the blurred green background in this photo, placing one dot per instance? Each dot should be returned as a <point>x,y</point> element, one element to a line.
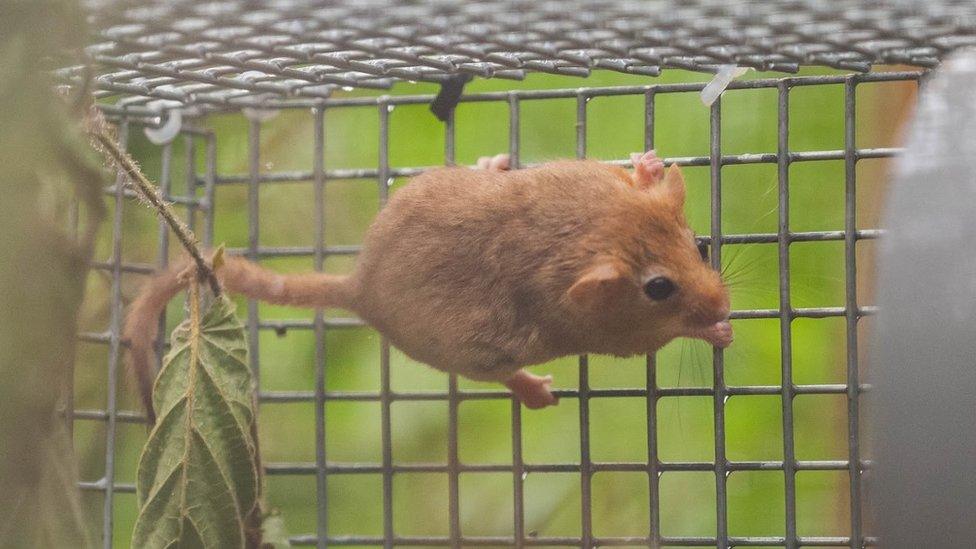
<point>617,425</point>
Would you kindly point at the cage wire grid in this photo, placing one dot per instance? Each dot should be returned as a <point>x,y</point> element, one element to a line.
<point>228,54</point>
<point>200,199</point>
<point>154,60</point>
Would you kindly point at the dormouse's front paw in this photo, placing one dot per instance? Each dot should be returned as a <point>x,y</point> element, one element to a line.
<point>532,390</point>
<point>499,162</point>
<point>648,168</point>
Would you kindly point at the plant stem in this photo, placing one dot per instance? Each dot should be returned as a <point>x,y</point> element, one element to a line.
<point>150,193</point>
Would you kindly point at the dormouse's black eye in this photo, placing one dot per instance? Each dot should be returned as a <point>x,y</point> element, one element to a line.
<point>703,250</point>
<point>659,288</point>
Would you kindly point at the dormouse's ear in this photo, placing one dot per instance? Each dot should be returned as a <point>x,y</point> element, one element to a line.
<point>602,283</point>
<point>673,185</point>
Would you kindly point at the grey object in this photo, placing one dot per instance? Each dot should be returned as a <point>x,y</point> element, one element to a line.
<point>212,56</point>
<point>923,354</point>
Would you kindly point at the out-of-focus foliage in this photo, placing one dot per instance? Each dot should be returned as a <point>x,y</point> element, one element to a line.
<point>44,164</point>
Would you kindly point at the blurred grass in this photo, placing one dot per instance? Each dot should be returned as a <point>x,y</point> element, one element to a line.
<point>617,426</point>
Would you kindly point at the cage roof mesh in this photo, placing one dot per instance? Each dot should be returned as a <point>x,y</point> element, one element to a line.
<point>201,56</point>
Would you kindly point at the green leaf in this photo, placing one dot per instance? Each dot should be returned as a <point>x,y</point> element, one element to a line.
<point>198,476</point>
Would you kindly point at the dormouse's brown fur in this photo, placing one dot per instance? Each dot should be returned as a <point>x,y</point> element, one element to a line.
<point>482,272</point>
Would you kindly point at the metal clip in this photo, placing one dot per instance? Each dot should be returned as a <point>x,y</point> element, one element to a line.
<point>166,133</point>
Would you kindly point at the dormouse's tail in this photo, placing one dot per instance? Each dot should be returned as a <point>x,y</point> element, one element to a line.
<point>237,275</point>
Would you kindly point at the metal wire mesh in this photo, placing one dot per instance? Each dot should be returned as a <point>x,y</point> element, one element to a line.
<point>200,198</point>
<point>205,56</point>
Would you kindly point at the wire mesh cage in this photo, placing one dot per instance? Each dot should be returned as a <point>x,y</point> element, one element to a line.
<point>184,65</point>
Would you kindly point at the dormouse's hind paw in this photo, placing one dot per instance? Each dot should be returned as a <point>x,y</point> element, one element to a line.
<point>499,162</point>
<point>648,168</point>
<point>532,390</point>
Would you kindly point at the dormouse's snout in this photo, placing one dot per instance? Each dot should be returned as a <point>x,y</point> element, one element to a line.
<point>708,311</point>
<point>713,305</point>
<point>708,298</point>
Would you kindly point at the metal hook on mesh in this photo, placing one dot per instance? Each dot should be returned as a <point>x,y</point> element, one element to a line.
<point>166,133</point>
<point>448,97</point>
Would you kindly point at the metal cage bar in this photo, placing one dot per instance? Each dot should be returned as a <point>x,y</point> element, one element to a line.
<point>382,182</point>
<point>786,310</point>
<point>209,186</point>
<point>653,393</point>
<point>115,346</point>
<point>253,242</point>
<point>586,464</point>
<point>321,480</point>
<point>719,394</point>
<point>192,181</point>
<point>163,240</point>
<point>518,465</point>
<point>850,305</point>
<point>454,402</point>
<point>322,469</point>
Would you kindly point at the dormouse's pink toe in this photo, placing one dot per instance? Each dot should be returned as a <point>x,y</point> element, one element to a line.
<point>533,391</point>
<point>648,168</point>
<point>499,162</point>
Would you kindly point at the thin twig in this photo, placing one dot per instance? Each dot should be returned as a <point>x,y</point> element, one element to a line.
<point>149,192</point>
